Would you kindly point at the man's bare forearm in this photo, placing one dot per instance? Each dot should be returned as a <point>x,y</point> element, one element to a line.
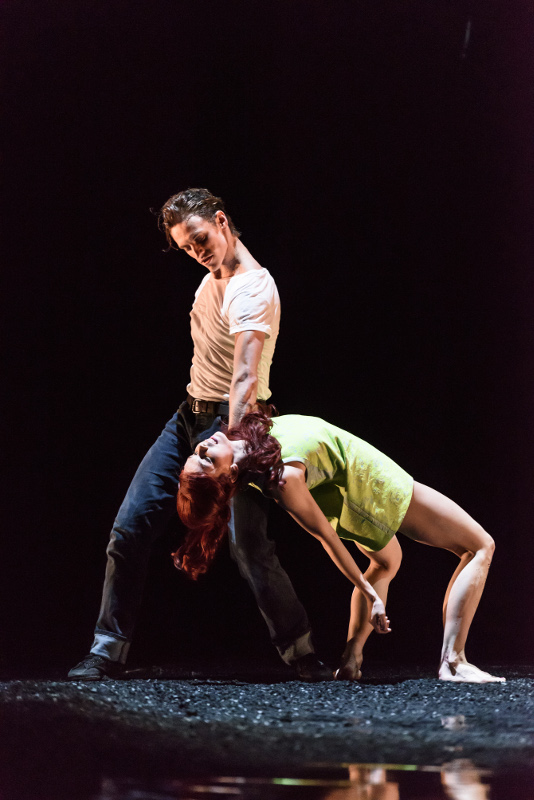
<point>244,386</point>
<point>243,393</point>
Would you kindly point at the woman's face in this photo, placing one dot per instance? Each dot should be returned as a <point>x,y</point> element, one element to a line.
<point>214,456</point>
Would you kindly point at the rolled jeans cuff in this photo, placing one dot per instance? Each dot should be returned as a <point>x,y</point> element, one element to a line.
<point>111,648</point>
<point>300,647</point>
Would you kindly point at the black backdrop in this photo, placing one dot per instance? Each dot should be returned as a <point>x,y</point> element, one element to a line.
<point>377,157</point>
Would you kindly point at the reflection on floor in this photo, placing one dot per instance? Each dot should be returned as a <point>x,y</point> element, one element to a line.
<point>172,738</point>
<point>456,780</point>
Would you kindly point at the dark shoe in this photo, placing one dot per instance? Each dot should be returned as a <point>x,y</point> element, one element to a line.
<point>310,669</point>
<point>95,668</point>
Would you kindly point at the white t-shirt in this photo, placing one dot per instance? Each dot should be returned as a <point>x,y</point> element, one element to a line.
<point>247,301</point>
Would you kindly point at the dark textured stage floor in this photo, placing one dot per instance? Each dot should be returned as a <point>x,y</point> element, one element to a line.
<point>174,723</point>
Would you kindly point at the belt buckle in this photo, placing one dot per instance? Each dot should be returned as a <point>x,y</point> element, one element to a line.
<point>196,408</point>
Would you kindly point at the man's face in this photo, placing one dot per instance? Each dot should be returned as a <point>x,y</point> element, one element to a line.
<point>205,241</point>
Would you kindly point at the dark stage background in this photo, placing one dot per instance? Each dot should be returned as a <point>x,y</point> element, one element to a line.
<point>378,159</point>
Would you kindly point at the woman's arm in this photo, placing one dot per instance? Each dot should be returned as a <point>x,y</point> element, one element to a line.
<point>296,499</point>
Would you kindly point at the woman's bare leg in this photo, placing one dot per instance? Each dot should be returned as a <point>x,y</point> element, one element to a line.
<point>382,569</point>
<point>435,520</point>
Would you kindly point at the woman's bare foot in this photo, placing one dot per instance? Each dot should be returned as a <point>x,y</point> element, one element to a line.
<point>350,669</point>
<point>347,674</point>
<point>463,672</point>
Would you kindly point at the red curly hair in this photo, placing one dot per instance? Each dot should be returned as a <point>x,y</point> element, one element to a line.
<point>203,502</point>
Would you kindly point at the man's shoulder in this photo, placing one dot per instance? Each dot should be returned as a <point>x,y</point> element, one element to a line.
<point>252,281</point>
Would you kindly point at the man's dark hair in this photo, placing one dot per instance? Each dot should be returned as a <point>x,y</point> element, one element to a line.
<point>191,202</point>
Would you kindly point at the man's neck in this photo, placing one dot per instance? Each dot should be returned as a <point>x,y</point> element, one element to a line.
<point>239,261</point>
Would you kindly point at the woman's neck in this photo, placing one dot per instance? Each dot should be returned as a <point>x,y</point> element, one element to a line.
<point>239,450</point>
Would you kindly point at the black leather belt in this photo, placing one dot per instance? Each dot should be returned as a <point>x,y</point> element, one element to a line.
<point>211,407</point>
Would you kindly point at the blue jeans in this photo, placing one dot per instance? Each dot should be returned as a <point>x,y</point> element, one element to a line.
<point>143,516</point>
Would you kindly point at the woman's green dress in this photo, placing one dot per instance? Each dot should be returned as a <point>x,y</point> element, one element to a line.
<point>362,492</point>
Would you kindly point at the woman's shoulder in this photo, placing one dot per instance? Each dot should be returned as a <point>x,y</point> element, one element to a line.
<point>299,421</point>
<point>297,431</point>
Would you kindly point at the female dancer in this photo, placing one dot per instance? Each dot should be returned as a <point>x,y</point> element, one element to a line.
<point>327,478</point>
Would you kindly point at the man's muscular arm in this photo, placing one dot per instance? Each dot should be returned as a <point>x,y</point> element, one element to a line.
<point>244,386</point>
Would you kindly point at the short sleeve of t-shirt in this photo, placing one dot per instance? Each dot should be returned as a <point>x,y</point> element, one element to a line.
<point>252,303</point>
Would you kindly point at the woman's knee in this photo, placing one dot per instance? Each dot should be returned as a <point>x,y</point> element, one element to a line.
<point>483,548</point>
<point>488,547</point>
<point>392,565</point>
<point>388,560</point>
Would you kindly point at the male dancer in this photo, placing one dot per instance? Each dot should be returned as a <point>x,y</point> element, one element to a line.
<point>234,325</point>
